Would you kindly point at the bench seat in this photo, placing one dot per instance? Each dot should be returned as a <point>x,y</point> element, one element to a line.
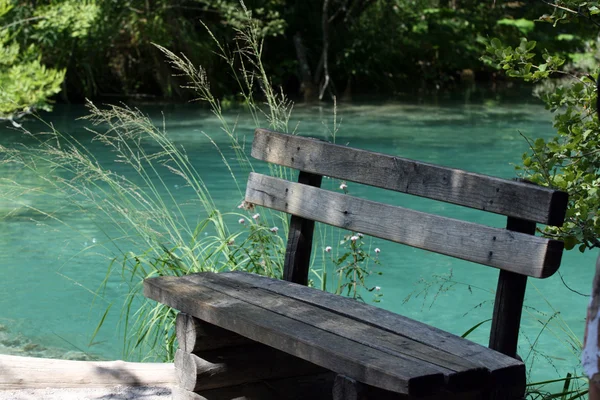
<point>363,343</point>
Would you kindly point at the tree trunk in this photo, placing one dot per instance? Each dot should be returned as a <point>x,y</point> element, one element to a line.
<point>325,26</point>
<point>590,358</point>
<point>307,86</point>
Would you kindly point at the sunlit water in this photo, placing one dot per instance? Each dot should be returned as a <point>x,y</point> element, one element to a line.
<point>51,270</point>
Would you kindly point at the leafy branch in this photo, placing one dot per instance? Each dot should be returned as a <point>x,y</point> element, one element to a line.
<point>569,161</point>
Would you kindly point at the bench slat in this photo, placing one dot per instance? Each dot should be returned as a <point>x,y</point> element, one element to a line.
<point>501,196</point>
<point>500,248</point>
<point>325,349</point>
<point>461,374</point>
<point>504,369</point>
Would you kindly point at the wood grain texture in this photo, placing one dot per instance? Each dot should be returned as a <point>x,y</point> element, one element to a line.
<point>460,373</point>
<point>237,365</point>
<point>345,388</point>
<point>505,370</point>
<point>299,245</point>
<point>500,248</point>
<point>194,335</point>
<point>508,305</point>
<point>501,196</point>
<point>320,347</point>
<point>40,373</point>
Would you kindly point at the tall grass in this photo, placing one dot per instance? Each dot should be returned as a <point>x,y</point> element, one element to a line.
<point>154,237</point>
<point>150,233</point>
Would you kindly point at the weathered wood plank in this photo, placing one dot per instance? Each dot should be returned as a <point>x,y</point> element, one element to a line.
<point>38,373</point>
<point>237,365</point>
<point>460,374</point>
<point>500,248</point>
<point>505,370</point>
<point>345,388</point>
<point>508,305</point>
<point>299,245</point>
<point>314,345</point>
<point>313,387</point>
<point>506,318</point>
<point>515,199</point>
<point>194,335</point>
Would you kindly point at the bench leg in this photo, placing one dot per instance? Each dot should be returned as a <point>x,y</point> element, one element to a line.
<point>345,388</point>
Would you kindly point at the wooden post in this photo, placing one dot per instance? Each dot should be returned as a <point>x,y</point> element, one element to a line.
<point>237,365</point>
<point>194,335</point>
<point>590,357</point>
<point>345,388</point>
<point>508,305</point>
<point>299,247</point>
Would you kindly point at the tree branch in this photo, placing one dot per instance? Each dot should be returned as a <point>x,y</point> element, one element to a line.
<point>22,21</point>
<point>569,10</point>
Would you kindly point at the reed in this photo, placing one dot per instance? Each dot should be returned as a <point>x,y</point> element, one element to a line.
<point>150,234</point>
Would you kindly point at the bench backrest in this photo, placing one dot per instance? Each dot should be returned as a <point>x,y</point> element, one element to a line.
<point>516,251</point>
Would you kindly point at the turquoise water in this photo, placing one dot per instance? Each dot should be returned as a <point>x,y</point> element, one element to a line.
<point>51,269</point>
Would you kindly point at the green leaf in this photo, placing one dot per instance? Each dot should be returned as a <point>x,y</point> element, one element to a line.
<point>525,26</point>
<point>99,325</point>
<point>570,242</point>
<point>471,329</point>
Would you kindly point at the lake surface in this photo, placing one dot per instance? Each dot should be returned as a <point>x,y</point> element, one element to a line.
<point>51,270</point>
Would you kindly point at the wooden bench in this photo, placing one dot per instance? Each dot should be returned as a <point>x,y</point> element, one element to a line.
<point>267,338</point>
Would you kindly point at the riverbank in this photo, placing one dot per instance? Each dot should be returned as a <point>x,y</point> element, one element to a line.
<point>28,378</point>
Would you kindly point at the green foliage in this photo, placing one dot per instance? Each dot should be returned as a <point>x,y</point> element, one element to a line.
<point>351,265</point>
<point>27,85</point>
<point>518,63</point>
<point>569,161</point>
<point>25,82</point>
<point>263,13</point>
<point>377,46</point>
<point>71,18</point>
<point>524,26</point>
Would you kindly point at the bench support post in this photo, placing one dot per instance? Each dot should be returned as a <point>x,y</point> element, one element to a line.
<point>345,388</point>
<point>299,247</point>
<point>508,305</point>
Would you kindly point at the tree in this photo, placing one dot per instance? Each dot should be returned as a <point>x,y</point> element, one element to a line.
<point>25,83</point>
